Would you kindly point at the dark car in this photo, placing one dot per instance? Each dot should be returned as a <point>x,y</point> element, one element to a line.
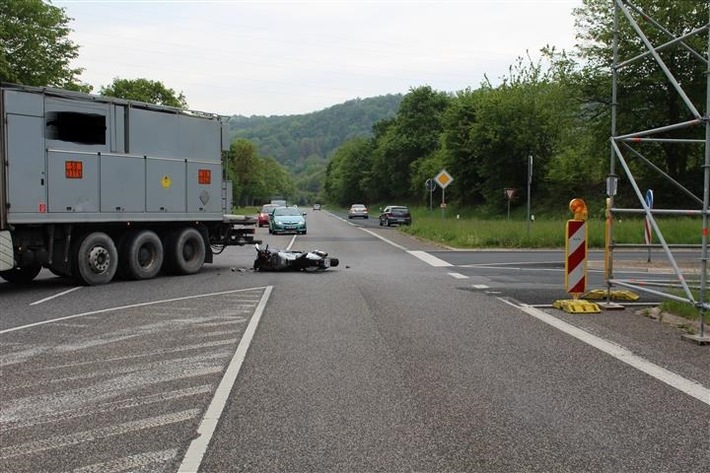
<point>395,214</point>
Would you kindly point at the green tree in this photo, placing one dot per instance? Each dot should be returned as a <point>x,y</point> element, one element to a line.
<point>144,90</point>
<point>461,154</point>
<point>256,179</point>
<point>428,168</point>
<point>347,173</point>
<point>375,184</point>
<point>309,180</point>
<point>247,172</point>
<point>35,48</point>
<point>646,98</point>
<point>413,135</point>
<point>490,133</point>
<point>277,180</point>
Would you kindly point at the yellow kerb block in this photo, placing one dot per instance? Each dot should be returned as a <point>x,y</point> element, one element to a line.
<point>577,306</point>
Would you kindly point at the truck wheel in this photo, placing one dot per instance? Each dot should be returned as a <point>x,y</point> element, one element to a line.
<point>21,275</point>
<point>95,259</point>
<point>186,251</point>
<point>142,255</point>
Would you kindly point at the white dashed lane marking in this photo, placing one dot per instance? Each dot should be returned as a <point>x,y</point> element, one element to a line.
<point>432,260</point>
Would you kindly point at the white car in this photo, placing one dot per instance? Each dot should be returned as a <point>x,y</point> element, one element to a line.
<point>358,210</point>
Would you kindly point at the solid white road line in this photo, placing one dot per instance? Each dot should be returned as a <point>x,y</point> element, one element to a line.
<point>390,242</point>
<point>196,451</point>
<point>56,295</point>
<point>458,275</point>
<point>685,385</point>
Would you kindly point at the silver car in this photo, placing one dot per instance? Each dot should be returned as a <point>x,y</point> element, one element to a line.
<point>358,210</point>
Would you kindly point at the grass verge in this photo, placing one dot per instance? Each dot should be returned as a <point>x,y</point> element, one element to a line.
<point>473,232</point>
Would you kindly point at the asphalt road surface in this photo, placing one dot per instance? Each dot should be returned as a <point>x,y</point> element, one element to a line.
<point>406,357</point>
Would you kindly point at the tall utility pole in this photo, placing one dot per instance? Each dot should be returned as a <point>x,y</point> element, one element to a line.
<point>530,171</point>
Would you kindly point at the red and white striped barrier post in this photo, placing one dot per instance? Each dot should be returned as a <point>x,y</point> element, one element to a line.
<point>576,249</point>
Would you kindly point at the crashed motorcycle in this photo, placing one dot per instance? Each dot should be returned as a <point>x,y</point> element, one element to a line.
<point>268,259</point>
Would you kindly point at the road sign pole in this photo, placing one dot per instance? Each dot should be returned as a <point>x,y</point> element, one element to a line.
<point>509,193</point>
<point>443,179</point>
<point>429,184</point>
<point>530,171</point>
<point>443,202</point>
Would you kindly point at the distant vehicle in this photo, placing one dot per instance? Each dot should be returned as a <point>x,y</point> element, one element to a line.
<point>279,202</point>
<point>287,220</point>
<point>395,214</point>
<point>263,217</point>
<point>316,206</point>
<point>358,211</point>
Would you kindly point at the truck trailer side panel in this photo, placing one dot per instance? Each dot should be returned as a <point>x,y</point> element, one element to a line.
<point>26,169</point>
<point>122,183</point>
<point>96,186</point>
<point>95,160</point>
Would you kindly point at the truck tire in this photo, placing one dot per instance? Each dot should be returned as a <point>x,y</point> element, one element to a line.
<point>185,251</point>
<point>95,259</point>
<point>21,275</point>
<point>142,255</point>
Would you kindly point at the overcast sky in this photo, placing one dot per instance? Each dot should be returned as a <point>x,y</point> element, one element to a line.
<point>293,57</point>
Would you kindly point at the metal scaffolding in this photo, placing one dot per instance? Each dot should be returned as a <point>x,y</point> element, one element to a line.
<point>623,150</point>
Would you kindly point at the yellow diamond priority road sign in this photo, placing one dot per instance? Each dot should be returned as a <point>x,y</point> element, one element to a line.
<point>443,179</point>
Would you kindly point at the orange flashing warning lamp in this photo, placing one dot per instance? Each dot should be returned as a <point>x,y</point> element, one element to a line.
<point>578,208</point>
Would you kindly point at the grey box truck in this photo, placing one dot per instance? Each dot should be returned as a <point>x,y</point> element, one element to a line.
<point>92,187</point>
